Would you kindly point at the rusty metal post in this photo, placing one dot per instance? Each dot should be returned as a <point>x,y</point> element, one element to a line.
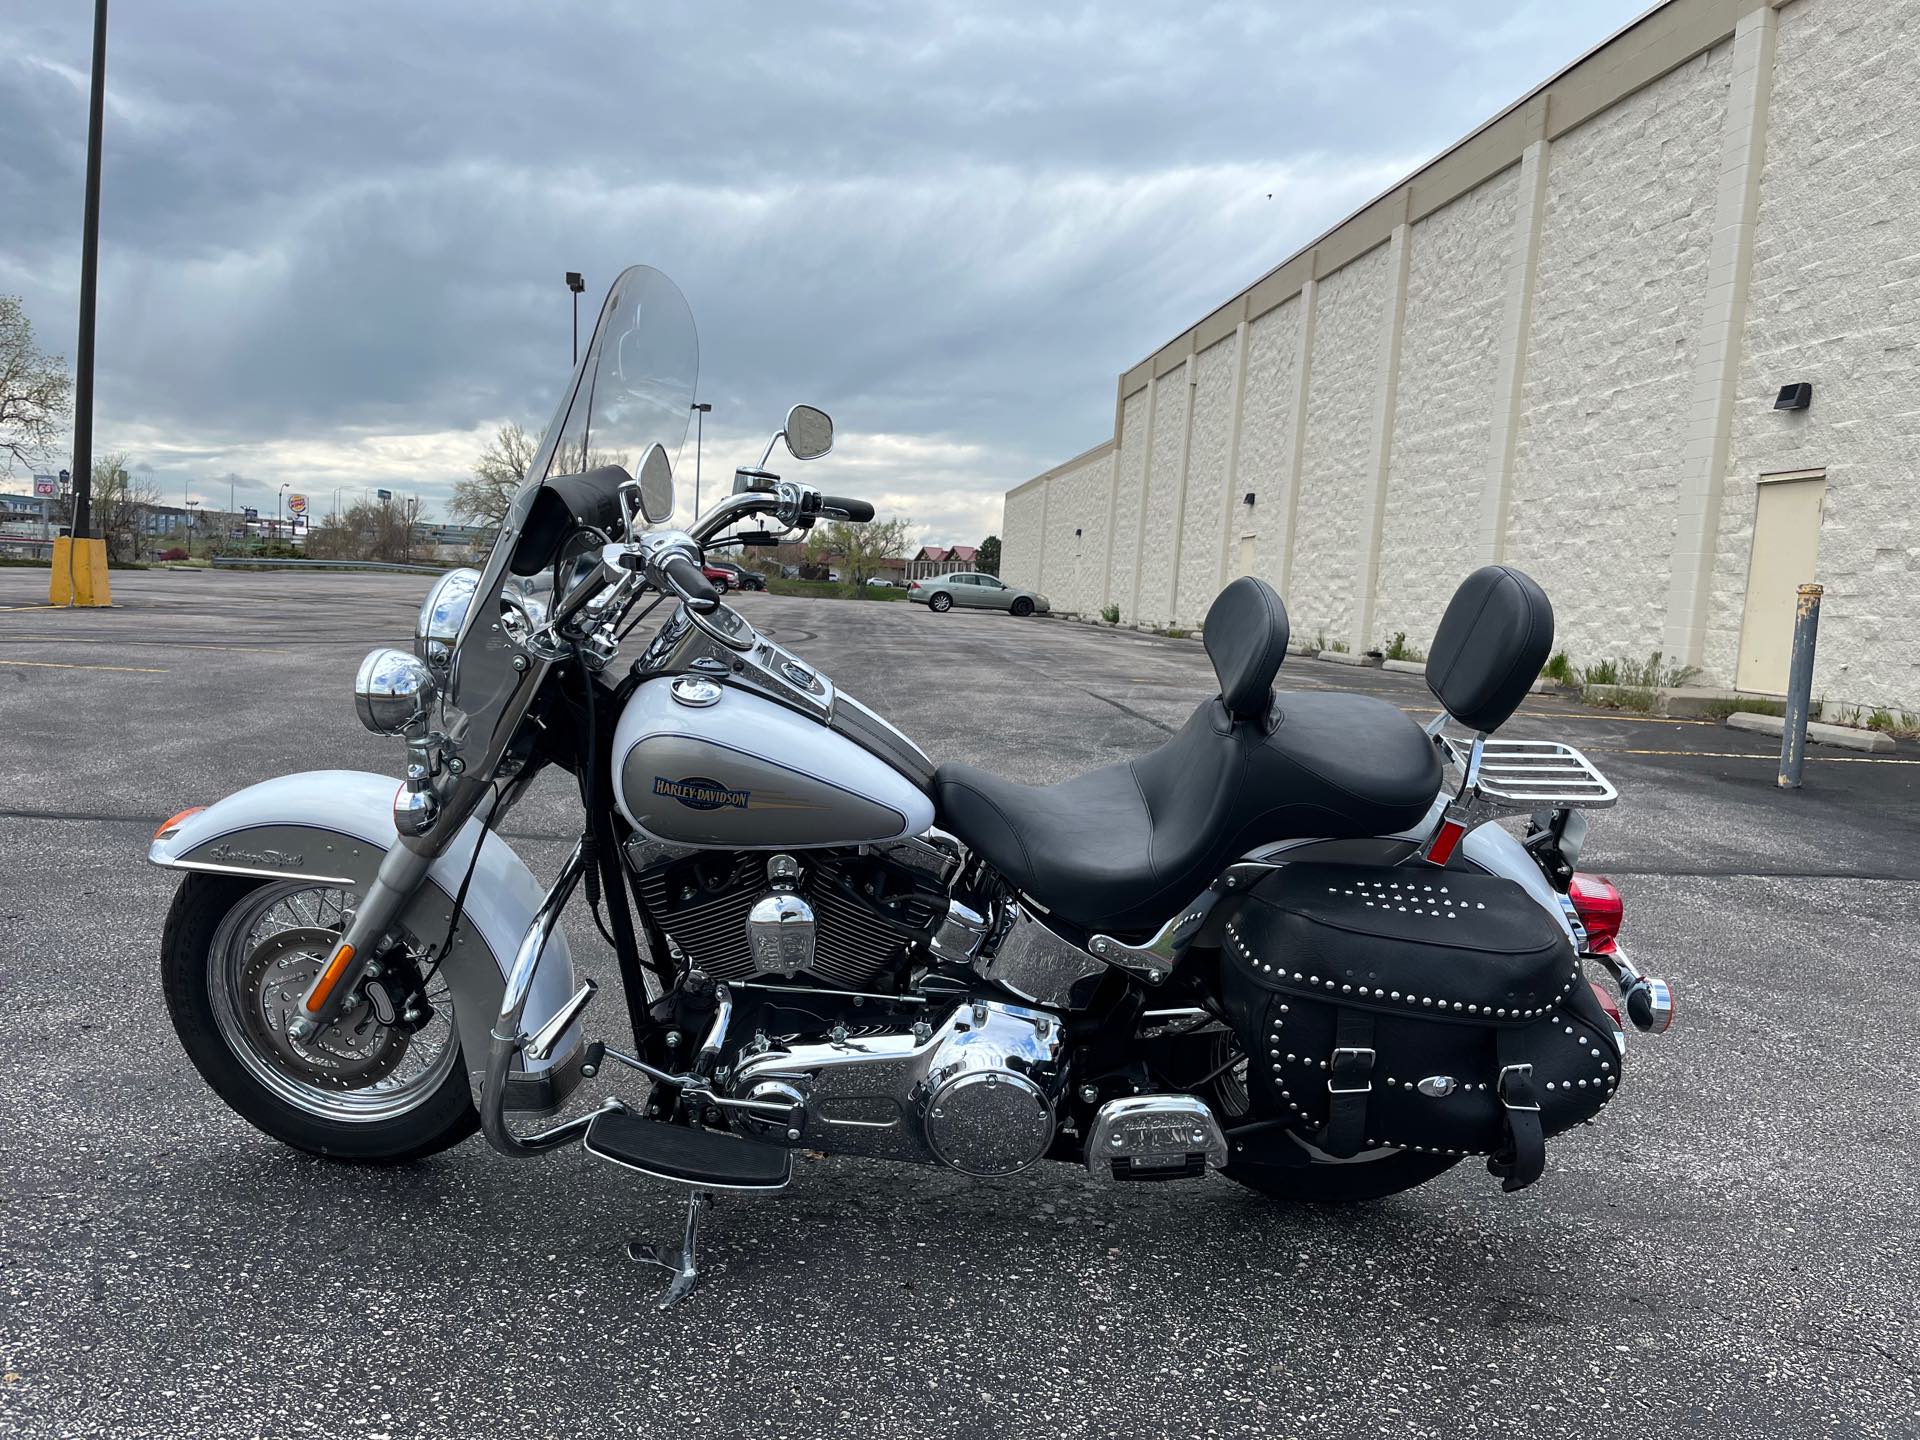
<point>1793,739</point>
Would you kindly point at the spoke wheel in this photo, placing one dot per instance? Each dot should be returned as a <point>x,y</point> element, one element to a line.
<point>940,603</point>
<point>264,956</point>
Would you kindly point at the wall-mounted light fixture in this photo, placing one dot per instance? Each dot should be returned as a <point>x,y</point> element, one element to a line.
<point>1076,532</point>
<point>1247,499</point>
<point>1797,396</point>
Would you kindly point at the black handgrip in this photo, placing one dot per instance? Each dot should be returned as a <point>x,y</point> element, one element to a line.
<point>858,511</point>
<point>691,581</point>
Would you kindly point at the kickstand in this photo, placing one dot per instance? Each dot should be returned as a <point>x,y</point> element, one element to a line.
<point>686,1269</point>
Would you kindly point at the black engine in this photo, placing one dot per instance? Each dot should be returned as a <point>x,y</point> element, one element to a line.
<point>844,918</point>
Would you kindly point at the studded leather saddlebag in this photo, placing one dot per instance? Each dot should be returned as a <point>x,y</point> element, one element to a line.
<point>1441,1011</point>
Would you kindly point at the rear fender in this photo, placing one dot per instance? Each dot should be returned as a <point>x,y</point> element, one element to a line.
<point>336,826</point>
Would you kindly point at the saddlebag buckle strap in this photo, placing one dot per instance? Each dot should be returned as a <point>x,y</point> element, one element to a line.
<point>1349,1083</point>
<point>1516,1088</point>
<point>1524,1156</point>
<point>1351,1063</point>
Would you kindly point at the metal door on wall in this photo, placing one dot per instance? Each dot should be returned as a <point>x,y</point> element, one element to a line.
<point>1786,547</point>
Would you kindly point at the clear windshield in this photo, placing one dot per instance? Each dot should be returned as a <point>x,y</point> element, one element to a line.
<point>634,388</point>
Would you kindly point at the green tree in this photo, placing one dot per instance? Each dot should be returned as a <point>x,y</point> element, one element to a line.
<point>120,503</point>
<point>370,530</point>
<point>35,390</point>
<point>988,560</point>
<point>857,550</point>
<point>499,472</point>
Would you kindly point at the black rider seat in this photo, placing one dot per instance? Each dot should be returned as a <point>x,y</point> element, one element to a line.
<point>1121,848</point>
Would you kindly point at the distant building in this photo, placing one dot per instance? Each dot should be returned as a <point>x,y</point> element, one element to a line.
<point>931,560</point>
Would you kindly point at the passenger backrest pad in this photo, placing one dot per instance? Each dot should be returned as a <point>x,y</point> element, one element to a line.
<point>1495,636</point>
<point>1246,634</point>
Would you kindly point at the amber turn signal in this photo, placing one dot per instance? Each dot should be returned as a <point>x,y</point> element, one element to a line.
<point>174,822</point>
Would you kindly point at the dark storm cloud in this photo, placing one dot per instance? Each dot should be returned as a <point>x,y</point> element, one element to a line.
<point>334,234</point>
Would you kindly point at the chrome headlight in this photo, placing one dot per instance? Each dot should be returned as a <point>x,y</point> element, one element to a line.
<point>523,609</point>
<point>393,691</point>
<point>442,614</point>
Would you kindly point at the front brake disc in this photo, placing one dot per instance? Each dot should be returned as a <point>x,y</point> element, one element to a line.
<point>355,1051</point>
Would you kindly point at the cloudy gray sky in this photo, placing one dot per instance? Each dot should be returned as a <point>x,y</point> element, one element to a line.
<point>334,234</point>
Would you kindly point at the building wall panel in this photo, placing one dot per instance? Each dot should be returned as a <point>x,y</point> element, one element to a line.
<point>1347,336</point>
<point>1623,256</point>
<point>1834,299</point>
<point>1204,519</point>
<point>1443,416</point>
<point>1266,436</point>
<point>1155,602</point>
<point>1022,540</point>
<point>1130,465</point>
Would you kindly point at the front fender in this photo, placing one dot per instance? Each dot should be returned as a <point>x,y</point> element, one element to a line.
<point>336,826</point>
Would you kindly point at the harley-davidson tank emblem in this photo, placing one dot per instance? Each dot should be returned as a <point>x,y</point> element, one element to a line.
<point>698,793</point>
<point>271,859</point>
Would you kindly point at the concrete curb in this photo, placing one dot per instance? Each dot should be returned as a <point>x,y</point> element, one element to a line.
<point>1405,667</point>
<point>1337,657</point>
<point>1843,736</point>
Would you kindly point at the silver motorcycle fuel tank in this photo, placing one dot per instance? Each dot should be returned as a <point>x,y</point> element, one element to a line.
<point>737,771</point>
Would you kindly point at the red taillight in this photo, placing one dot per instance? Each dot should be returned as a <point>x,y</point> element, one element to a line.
<point>913,584</point>
<point>1598,905</point>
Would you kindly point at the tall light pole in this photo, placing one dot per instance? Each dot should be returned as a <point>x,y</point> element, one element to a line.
<point>191,515</point>
<point>280,504</point>
<point>700,413</point>
<point>576,282</point>
<point>89,275</point>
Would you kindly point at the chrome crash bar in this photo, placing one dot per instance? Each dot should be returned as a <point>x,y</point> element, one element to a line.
<point>509,1039</point>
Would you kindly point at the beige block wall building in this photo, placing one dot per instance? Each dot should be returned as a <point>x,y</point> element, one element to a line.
<point>1559,345</point>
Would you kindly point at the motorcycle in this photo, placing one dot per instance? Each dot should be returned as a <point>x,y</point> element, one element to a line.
<point>1289,945</point>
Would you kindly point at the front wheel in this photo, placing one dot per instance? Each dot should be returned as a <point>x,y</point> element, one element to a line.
<point>237,957</point>
<point>940,603</point>
<point>1023,607</point>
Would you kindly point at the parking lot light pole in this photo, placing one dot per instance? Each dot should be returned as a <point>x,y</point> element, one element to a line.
<point>700,413</point>
<point>576,282</point>
<point>89,276</point>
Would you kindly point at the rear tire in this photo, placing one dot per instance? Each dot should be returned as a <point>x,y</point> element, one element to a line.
<point>1341,1183</point>
<point>1286,1167</point>
<point>1022,607</point>
<point>940,603</point>
<point>440,1115</point>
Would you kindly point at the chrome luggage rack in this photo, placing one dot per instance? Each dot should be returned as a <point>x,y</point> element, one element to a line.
<point>1531,774</point>
<point>1511,777</point>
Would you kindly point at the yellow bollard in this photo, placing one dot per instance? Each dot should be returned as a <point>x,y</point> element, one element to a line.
<point>79,573</point>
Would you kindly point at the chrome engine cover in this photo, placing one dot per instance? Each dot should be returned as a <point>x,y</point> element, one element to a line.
<point>978,1094</point>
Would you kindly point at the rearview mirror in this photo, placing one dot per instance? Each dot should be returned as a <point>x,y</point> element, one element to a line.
<point>656,486</point>
<point>809,432</point>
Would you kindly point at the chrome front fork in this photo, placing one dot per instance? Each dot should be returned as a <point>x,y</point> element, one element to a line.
<point>402,872</point>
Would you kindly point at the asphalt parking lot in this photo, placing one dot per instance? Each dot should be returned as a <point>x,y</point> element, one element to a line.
<point>1730,1252</point>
